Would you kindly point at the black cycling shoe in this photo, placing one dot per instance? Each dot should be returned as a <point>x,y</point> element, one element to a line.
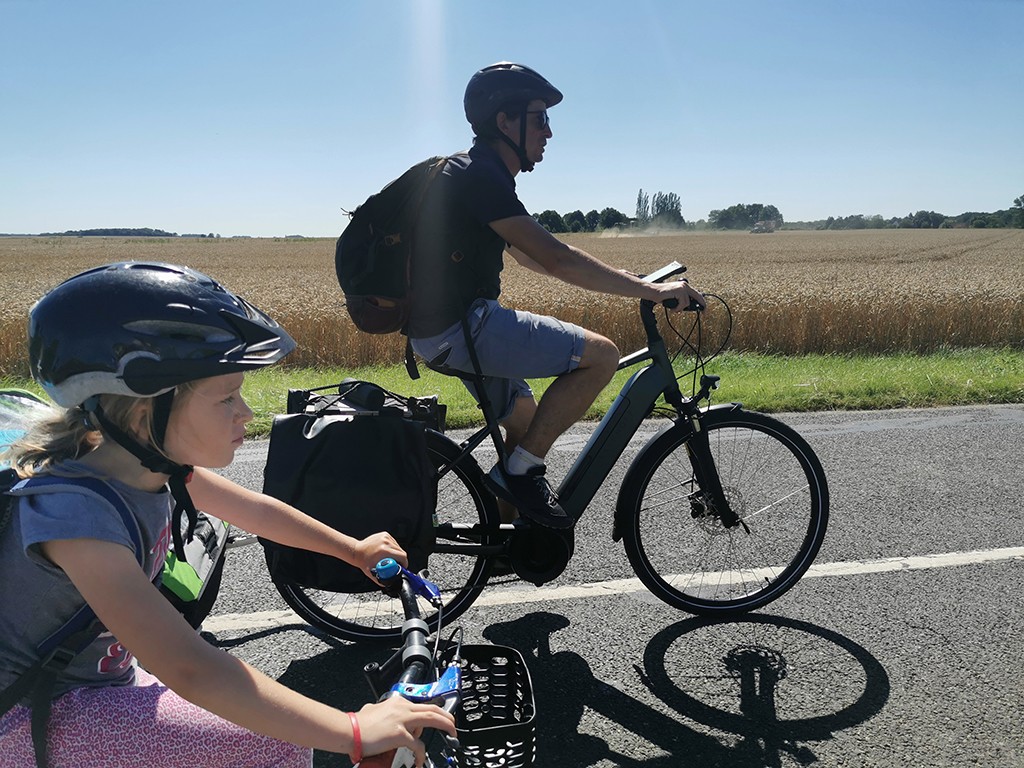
<point>531,495</point>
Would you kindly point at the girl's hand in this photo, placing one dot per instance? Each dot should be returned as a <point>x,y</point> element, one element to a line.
<point>375,548</point>
<point>395,723</point>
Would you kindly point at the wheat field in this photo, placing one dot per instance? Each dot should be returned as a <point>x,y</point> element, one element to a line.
<point>797,292</point>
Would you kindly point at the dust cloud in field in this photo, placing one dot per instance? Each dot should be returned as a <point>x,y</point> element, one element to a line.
<point>650,232</point>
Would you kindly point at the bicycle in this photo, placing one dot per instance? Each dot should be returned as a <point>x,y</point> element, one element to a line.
<point>487,687</point>
<point>720,513</point>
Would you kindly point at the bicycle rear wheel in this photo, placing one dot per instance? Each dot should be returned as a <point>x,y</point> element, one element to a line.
<point>679,547</point>
<point>467,516</point>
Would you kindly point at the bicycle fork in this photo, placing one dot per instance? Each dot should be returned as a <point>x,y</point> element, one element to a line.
<point>710,498</point>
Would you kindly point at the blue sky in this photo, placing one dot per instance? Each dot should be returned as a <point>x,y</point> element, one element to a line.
<point>268,118</point>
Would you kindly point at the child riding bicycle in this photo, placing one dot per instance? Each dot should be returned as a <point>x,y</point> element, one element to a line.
<point>147,361</point>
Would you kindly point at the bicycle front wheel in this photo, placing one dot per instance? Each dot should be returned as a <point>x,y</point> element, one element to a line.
<point>466,514</point>
<point>679,546</point>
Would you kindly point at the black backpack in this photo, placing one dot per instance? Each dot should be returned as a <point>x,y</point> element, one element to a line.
<point>373,255</point>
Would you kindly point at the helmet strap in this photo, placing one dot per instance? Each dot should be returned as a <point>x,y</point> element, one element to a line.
<point>524,162</point>
<point>162,415</point>
<point>520,149</point>
<point>178,474</point>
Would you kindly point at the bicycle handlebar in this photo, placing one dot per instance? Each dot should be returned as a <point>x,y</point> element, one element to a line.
<point>417,681</point>
<point>388,571</point>
<point>493,681</point>
<point>670,270</point>
<point>417,657</point>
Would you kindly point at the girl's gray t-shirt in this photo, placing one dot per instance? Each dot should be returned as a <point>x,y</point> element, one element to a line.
<point>37,598</point>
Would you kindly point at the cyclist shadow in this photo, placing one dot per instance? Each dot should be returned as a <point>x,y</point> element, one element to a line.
<point>568,694</point>
<point>334,677</point>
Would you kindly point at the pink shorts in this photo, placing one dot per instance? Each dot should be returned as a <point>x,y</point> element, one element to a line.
<point>144,724</point>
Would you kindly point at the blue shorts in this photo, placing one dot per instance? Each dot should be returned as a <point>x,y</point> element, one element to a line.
<point>511,346</point>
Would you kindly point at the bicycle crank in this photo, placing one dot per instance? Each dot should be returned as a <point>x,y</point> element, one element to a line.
<point>539,554</point>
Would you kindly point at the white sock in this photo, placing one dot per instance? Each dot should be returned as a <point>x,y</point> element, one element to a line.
<point>520,461</point>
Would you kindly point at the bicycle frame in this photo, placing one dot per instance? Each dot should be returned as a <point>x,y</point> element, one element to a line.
<point>634,403</point>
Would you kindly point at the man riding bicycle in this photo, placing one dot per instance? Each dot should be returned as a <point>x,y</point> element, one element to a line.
<point>470,217</point>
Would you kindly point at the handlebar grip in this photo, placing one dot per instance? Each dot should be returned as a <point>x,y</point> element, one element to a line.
<point>672,303</point>
<point>388,572</point>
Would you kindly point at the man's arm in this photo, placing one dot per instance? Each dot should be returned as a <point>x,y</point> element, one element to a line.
<point>537,249</point>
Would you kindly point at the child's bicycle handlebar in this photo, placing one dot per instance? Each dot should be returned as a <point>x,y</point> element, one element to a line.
<point>486,687</point>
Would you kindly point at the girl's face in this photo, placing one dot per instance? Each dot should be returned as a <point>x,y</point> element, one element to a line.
<point>207,422</point>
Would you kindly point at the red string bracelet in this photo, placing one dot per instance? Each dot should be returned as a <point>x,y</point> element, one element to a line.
<point>357,739</point>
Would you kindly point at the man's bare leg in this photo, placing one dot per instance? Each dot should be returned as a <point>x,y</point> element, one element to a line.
<point>565,401</point>
<point>570,395</point>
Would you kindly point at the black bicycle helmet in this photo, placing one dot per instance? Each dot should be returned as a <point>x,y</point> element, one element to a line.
<point>498,87</point>
<point>142,328</point>
<point>504,83</point>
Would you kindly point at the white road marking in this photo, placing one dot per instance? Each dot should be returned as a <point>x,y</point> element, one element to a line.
<point>520,595</point>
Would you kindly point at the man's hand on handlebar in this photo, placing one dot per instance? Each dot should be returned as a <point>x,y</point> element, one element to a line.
<point>687,297</point>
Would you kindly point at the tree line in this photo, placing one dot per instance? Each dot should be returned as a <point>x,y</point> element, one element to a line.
<point>121,232</point>
<point>112,232</point>
<point>664,210</point>
<point>1009,218</point>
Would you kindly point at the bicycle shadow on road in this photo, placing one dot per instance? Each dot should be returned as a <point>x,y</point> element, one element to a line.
<point>768,682</point>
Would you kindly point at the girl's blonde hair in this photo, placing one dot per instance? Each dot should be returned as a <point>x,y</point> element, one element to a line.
<point>65,434</point>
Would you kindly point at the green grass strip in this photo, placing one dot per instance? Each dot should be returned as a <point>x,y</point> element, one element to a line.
<point>766,383</point>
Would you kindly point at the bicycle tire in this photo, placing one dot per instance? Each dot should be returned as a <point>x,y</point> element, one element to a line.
<point>685,555</point>
<point>373,616</point>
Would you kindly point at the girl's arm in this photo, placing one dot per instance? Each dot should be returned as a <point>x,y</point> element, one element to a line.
<point>273,519</point>
<point>110,580</point>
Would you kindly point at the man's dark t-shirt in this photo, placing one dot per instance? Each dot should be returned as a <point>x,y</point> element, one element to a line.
<point>458,257</point>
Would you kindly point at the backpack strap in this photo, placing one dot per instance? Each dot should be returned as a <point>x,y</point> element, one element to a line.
<point>485,401</point>
<point>8,479</point>
<point>58,650</point>
<point>410,360</point>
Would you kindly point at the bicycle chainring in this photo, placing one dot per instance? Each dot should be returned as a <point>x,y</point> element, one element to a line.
<point>539,554</point>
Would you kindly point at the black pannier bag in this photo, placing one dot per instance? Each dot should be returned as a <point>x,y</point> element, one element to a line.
<point>357,469</point>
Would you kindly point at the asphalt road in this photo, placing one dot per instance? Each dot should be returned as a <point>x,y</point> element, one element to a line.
<point>902,647</point>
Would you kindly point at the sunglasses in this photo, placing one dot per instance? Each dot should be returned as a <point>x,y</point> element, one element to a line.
<point>542,118</point>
